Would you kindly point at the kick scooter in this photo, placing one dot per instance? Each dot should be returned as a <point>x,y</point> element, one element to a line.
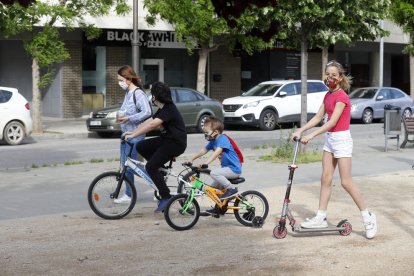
<point>279,232</point>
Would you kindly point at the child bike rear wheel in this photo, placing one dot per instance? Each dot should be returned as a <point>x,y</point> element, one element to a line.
<point>251,204</point>
<point>101,198</point>
<point>176,214</point>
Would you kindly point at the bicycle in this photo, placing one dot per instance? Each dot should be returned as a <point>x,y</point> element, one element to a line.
<point>106,187</point>
<point>183,211</point>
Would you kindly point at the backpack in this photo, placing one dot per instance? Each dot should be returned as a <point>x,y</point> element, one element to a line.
<point>236,149</point>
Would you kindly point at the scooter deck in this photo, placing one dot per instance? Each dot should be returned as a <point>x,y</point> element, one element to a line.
<point>330,228</point>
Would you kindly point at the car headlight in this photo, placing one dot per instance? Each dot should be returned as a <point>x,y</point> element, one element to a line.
<point>354,107</point>
<point>252,104</point>
<point>111,114</point>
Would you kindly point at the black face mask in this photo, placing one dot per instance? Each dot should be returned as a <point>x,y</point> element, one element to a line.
<point>209,137</point>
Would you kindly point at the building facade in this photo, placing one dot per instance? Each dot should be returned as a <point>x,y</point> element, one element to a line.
<point>88,80</point>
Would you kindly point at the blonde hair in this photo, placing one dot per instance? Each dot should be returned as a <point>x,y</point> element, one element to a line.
<point>346,79</point>
<point>214,123</point>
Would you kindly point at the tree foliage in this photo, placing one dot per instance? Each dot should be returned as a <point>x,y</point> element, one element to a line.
<point>402,13</point>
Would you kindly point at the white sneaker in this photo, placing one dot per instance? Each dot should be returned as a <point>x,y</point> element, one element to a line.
<point>371,226</point>
<point>315,222</point>
<point>122,200</point>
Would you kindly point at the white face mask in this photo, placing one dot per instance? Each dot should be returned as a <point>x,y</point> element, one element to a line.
<point>123,85</point>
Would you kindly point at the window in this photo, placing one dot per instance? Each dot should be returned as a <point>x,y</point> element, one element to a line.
<point>315,87</point>
<point>186,96</point>
<point>289,89</point>
<point>5,96</point>
<point>385,93</point>
<point>395,94</point>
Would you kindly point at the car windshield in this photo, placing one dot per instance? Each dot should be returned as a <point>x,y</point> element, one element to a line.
<point>363,93</point>
<point>262,90</point>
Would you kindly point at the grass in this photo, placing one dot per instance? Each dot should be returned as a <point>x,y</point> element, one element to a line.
<point>283,152</point>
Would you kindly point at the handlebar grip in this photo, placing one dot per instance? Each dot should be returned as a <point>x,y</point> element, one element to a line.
<point>296,139</point>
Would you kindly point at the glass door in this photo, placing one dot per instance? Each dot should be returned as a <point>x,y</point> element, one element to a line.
<point>152,70</point>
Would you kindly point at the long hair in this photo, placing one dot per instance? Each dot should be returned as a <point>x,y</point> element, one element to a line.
<point>346,79</point>
<point>128,72</point>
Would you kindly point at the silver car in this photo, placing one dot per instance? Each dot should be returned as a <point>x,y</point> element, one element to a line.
<point>367,103</point>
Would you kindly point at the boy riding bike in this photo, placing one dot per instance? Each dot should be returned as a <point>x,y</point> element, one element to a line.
<point>222,147</point>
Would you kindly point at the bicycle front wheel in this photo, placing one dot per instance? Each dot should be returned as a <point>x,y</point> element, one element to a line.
<point>101,198</point>
<point>181,214</point>
<point>251,204</point>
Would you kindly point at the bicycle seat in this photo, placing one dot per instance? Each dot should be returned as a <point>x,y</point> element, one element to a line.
<point>237,180</point>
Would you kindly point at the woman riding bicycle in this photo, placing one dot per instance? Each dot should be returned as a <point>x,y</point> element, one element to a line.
<point>172,142</point>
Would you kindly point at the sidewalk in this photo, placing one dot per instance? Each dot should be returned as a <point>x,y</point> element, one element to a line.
<point>80,243</point>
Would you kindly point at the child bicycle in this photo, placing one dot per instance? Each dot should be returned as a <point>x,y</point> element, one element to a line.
<point>108,186</point>
<point>183,210</point>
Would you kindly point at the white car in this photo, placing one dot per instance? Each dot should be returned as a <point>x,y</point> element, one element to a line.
<point>273,102</point>
<point>15,119</point>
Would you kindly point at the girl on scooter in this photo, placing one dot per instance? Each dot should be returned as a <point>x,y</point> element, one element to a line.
<point>337,150</point>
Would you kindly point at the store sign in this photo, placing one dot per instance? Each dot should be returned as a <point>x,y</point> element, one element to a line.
<point>149,39</point>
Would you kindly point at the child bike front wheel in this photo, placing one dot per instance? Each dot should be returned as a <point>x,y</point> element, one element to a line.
<point>180,213</point>
<point>101,196</point>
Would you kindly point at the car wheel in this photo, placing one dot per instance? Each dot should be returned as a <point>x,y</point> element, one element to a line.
<point>201,121</point>
<point>367,116</point>
<point>268,120</point>
<point>14,133</point>
<point>407,113</point>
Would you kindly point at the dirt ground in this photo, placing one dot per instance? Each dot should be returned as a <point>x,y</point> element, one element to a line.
<point>143,244</point>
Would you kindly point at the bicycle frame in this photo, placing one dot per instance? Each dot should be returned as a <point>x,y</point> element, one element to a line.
<point>212,193</point>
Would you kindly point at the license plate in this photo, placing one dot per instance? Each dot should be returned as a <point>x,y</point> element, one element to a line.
<point>229,114</point>
<point>95,123</point>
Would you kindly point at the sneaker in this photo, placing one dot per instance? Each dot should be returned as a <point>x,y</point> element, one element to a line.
<point>212,211</point>
<point>371,226</point>
<point>315,223</point>
<point>161,205</point>
<point>123,199</point>
<point>229,193</point>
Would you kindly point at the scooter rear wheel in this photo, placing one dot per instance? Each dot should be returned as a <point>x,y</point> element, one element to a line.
<point>278,232</point>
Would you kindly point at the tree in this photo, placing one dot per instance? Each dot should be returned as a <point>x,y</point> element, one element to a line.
<point>197,24</point>
<point>308,24</point>
<point>43,43</point>
<point>402,13</point>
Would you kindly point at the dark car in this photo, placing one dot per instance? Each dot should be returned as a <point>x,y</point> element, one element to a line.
<point>193,106</point>
<point>367,103</point>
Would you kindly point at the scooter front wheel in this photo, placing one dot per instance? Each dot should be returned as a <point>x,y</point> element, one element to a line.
<point>347,226</point>
<point>278,232</point>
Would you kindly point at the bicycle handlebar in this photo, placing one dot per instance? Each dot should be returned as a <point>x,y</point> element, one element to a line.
<point>196,169</point>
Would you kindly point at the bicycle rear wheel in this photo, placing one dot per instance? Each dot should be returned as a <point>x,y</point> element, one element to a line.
<point>175,215</point>
<point>252,204</point>
<point>203,201</point>
<point>101,199</point>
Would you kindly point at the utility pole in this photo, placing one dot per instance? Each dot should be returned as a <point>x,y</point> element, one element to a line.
<point>381,58</point>
<point>135,39</point>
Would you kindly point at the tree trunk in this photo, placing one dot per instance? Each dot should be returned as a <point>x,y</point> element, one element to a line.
<point>324,60</point>
<point>37,99</point>
<point>304,78</point>
<point>201,71</point>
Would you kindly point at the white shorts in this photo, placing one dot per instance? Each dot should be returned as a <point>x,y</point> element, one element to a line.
<point>339,143</point>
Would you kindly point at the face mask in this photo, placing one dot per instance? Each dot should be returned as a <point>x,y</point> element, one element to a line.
<point>209,137</point>
<point>332,83</point>
<point>123,85</point>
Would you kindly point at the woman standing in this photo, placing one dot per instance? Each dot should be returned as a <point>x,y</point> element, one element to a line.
<point>337,150</point>
<point>134,110</point>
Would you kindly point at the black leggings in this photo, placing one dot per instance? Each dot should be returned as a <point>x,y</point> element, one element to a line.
<point>158,151</point>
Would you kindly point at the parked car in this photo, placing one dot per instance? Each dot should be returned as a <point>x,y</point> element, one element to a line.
<point>194,106</point>
<point>15,119</point>
<point>368,102</point>
<point>273,102</point>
